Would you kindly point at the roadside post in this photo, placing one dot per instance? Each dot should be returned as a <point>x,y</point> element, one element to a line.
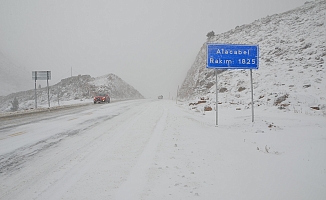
<point>216,103</point>
<point>42,75</point>
<point>232,56</point>
<point>176,99</point>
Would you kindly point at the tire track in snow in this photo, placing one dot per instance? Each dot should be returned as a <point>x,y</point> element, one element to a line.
<point>61,167</point>
<point>73,175</point>
<point>136,180</point>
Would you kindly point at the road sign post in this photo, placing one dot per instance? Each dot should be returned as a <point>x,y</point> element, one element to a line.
<point>42,75</point>
<point>252,97</point>
<point>232,56</point>
<point>35,94</point>
<point>216,103</point>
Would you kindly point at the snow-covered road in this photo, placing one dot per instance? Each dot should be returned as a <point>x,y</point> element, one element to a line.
<point>150,149</point>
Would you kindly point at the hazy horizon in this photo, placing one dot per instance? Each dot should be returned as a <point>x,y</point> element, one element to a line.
<point>150,45</point>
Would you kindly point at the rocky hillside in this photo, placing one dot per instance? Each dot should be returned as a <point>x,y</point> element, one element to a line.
<point>80,88</point>
<point>115,86</point>
<point>291,74</point>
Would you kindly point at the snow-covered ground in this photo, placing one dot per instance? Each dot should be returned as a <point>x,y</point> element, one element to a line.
<point>291,74</point>
<point>157,149</point>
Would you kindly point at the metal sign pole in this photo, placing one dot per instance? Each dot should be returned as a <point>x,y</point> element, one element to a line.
<point>216,104</point>
<point>47,81</point>
<point>35,78</point>
<point>35,95</point>
<point>252,97</point>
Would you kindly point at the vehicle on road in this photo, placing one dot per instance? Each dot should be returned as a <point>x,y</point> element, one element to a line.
<point>160,97</point>
<point>102,98</point>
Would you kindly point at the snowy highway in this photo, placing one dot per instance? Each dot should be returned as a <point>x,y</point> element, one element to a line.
<point>155,149</point>
<point>43,158</point>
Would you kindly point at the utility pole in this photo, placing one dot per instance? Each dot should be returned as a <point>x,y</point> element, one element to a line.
<point>176,99</point>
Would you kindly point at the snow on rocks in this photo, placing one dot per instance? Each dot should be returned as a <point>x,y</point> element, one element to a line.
<point>291,75</point>
<point>76,89</point>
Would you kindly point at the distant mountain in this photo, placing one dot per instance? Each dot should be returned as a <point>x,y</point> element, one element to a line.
<point>291,72</point>
<point>116,87</point>
<point>13,78</point>
<point>81,88</point>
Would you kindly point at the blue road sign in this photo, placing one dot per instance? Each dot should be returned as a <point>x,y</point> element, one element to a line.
<point>232,56</point>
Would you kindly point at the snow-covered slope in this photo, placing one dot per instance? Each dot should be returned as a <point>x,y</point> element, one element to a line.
<point>291,74</point>
<point>77,88</point>
<point>13,78</point>
<point>115,86</point>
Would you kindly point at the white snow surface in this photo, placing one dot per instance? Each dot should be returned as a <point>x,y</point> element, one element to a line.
<point>160,149</point>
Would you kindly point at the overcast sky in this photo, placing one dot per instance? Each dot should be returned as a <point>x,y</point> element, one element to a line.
<point>149,44</point>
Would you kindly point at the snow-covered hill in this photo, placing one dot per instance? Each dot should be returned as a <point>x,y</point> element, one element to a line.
<point>74,89</point>
<point>13,78</point>
<point>291,75</point>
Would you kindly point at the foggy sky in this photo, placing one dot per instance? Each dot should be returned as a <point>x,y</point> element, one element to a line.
<point>149,44</point>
